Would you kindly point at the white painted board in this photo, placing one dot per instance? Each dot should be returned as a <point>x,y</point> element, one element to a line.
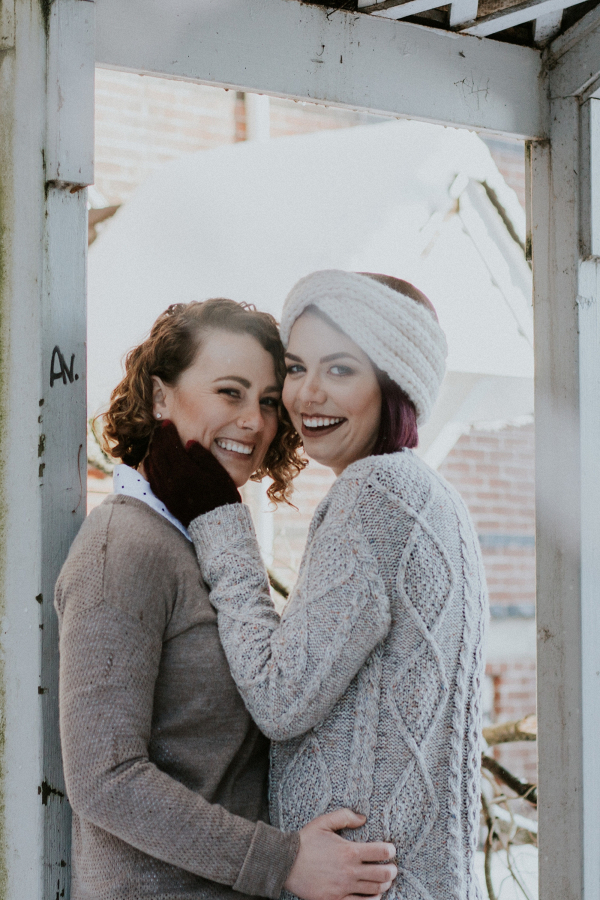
<point>70,132</point>
<point>291,49</point>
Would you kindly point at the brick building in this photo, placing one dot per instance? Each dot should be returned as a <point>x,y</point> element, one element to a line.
<point>141,123</point>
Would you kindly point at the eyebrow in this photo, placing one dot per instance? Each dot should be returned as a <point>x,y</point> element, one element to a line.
<point>273,389</point>
<point>325,359</point>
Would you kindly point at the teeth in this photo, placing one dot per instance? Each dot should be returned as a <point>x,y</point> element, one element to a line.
<point>320,422</point>
<point>237,448</point>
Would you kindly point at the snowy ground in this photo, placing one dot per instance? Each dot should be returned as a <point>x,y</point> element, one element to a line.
<point>524,861</point>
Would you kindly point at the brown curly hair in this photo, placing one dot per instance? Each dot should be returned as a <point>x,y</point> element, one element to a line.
<point>172,346</point>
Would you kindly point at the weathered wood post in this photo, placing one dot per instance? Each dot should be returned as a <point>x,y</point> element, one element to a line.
<point>46,155</point>
<point>565,211</point>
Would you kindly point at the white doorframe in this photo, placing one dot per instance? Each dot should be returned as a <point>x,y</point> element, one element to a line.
<point>284,48</point>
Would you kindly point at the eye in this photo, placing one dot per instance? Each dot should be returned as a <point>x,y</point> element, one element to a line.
<point>295,369</point>
<point>230,392</point>
<point>270,402</point>
<point>341,370</point>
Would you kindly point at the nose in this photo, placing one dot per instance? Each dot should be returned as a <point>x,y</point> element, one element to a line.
<point>311,390</point>
<point>251,418</point>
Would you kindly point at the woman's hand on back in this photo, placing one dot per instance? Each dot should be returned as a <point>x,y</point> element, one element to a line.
<point>328,867</point>
<point>189,480</point>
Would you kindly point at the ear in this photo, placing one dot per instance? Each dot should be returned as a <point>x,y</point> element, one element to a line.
<point>160,395</point>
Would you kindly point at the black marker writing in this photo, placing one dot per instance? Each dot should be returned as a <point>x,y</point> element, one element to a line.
<point>60,369</point>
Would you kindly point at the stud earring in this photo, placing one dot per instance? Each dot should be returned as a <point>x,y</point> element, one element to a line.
<point>159,415</point>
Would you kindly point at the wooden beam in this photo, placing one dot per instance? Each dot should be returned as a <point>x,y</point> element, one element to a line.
<point>43,228</point>
<point>573,58</point>
<point>462,12</point>
<point>70,136</point>
<point>547,27</point>
<point>22,99</point>
<point>400,9</point>
<point>567,404</point>
<point>590,178</point>
<point>289,49</point>
<point>367,6</point>
<point>569,39</point>
<point>516,15</point>
<point>7,24</point>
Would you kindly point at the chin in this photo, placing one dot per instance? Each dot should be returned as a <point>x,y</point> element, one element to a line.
<point>237,475</point>
<point>323,460</point>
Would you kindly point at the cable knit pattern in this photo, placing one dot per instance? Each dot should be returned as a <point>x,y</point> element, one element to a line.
<point>370,683</point>
<point>402,337</point>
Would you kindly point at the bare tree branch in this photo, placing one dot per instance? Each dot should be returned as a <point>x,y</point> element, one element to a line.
<point>522,788</point>
<point>522,730</point>
<point>277,585</point>
<point>488,850</point>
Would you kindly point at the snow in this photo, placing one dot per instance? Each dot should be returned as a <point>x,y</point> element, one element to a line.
<point>247,220</point>
<point>524,860</point>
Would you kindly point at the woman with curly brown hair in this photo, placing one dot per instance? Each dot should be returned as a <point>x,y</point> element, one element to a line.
<point>165,769</point>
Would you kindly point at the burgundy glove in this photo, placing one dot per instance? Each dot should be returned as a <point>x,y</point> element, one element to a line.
<point>189,480</point>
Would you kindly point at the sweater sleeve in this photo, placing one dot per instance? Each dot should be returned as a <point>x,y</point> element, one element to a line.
<point>109,662</point>
<point>291,671</point>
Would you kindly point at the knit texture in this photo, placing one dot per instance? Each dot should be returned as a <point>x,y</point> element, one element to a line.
<point>371,681</point>
<point>398,334</point>
<point>165,770</point>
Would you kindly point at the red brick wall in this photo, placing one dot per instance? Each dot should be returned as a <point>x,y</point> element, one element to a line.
<point>514,685</point>
<point>494,472</point>
<point>143,122</point>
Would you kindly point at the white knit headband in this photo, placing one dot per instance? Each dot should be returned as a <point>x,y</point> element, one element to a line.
<point>399,335</point>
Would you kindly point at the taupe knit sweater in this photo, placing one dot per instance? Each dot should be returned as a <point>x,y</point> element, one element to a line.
<point>371,681</point>
<point>165,770</point>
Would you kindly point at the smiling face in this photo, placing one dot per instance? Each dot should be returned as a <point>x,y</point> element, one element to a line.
<point>227,400</point>
<point>331,393</point>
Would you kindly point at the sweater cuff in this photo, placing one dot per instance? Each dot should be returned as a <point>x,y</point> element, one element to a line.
<point>268,862</point>
<point>221,527</point>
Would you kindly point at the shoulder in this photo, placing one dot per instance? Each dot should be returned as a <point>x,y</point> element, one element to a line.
<point>365,492</point>
<point>125,553</point>
<point>399,477</point>
<point>141,530</point>
<point>129,529</point>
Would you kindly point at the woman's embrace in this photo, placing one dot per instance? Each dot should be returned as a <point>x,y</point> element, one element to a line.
<point>369,684</point>
<point>165,770</point>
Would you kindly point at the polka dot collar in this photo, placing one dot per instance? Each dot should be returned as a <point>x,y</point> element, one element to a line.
<point>127,481</point>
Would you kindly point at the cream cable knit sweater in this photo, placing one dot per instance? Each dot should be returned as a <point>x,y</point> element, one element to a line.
<point>370,683</point>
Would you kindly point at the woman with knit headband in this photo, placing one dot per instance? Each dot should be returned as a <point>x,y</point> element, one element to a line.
<point>369,685</point>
